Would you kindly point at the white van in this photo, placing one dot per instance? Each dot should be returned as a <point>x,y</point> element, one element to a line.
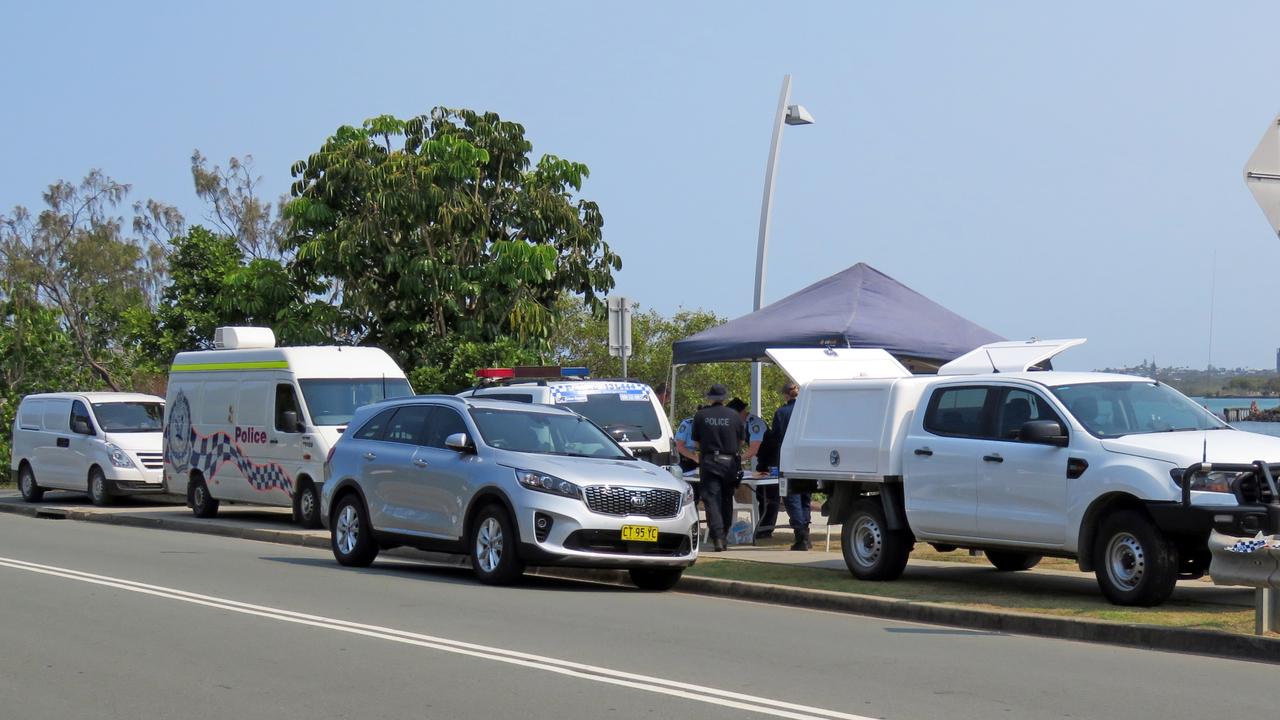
<point>629,411</point>
<point>249,422</point>
<point>102,443</point>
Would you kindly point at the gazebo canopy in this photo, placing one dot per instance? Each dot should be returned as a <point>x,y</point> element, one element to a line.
<point>860,307</point>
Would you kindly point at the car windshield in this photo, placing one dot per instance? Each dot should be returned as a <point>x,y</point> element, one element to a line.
<point>334,401</point>
<point>545,433</point>
<point>1113,409</point>
<point>126,417</point>
<point>621,414</point>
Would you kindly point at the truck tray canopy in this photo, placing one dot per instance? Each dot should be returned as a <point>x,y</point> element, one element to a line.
<point>1006,357</point>
<point>806,365</point>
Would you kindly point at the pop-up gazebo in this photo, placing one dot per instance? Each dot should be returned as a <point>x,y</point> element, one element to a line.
<point>860,307</point>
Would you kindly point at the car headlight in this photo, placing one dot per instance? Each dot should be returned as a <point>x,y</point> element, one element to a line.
<point>1216,481</point>
<point>118,457</point>
<point>687,498</point>
<point>548,484</point>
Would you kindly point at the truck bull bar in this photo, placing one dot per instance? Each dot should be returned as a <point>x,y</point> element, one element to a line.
<point>1256,492</point>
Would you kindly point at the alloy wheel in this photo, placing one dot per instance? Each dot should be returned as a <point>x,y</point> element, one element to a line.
<point>489,544</point>
<point>347,529</point>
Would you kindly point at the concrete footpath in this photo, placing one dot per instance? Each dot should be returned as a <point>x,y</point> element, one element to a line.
<point>274,525</point>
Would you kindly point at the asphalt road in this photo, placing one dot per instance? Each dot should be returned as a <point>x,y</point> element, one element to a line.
<point>116,622</point>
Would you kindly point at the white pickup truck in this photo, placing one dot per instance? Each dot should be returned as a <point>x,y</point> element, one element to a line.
<point>999,453</point>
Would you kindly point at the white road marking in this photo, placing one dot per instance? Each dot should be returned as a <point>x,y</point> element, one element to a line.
<point>675,688</point>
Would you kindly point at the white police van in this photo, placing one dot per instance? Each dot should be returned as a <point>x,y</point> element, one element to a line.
<point>627,410</point>
<point>249,422</point>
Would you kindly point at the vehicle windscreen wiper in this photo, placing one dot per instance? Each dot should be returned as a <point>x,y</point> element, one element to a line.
<point>620,426</point>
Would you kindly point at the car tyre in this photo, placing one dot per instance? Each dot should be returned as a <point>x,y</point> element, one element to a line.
<point>871,550</point>
<point>306,506</point>
<point>1134,562</point>
<point>495,555</point>
<point>203,505</point>
<point>99,491</point>
<point>1012,561</point>
<point>351,535</point>
<point>656,578</point>
<point>31,491</point>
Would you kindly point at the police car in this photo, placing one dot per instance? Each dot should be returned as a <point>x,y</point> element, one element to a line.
<point>627,410</point>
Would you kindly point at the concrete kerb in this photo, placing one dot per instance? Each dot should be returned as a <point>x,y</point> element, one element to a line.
<point>1203,642</point>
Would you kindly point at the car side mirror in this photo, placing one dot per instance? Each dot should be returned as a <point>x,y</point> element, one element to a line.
<point>1043,432</point>
<point>460,442</point>
<point>81,426</point>
<point>291,422</point>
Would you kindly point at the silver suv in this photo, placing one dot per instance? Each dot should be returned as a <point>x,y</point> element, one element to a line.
<point>506,483</point>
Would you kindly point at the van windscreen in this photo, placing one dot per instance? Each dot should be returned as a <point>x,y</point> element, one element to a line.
<point>334,401</point>
<point>124,417</point>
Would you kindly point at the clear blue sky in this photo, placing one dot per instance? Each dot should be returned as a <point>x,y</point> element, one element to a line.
<point>1056,170</point>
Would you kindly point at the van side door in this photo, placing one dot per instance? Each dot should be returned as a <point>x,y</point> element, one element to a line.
<point>54,451</point>
<point>941,457</point>
<point>1022,496</point>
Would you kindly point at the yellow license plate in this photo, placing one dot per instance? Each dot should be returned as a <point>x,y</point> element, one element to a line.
<point>640,533</point>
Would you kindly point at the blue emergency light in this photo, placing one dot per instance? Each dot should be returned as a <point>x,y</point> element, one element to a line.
<point>578,372</point>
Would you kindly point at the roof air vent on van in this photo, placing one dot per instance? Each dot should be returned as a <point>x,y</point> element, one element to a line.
<point>243,338</point>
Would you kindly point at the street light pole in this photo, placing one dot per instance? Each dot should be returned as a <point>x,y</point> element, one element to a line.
<point>786,115</point>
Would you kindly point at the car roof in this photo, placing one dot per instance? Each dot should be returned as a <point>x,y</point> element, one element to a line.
<point>478,401</point>
<point>1048,378</point>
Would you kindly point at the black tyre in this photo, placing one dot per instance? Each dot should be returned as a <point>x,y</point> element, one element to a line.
<point>31,492</point>
<point>495,555</point>
<point>1134,562</point>
<point>871,550</point>
<point>99,489</point>
<point>1012,561</point>
<point>656,578</point>
<point>351,535</point>
<point>203,505</point>
<point>306,506</point>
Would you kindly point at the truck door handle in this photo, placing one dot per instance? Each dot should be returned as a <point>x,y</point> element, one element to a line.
<point>274,441</point>
<point>419,462</point>
<point>924,451</point>
<point>64,442</point>
<point>370,456</point>
<point>995,458</point>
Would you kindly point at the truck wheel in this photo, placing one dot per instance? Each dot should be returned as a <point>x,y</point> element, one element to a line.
<point>31,491</point>
<point>1010,561</point>
<point>1135,563</point>
<point>99,493</point>
<point>871,550</point>
<point>203,505</point>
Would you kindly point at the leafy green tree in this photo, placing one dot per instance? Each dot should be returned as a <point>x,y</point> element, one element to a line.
<point>76,258</point>
<point>440,230</point>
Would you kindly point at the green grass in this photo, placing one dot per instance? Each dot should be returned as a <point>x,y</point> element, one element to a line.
<point>988,591</point>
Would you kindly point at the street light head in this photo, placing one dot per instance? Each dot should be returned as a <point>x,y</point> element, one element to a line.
<point>797,115</point>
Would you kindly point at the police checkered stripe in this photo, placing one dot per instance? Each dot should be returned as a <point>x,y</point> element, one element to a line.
<point>207,453</point>
<point>1248,546</point>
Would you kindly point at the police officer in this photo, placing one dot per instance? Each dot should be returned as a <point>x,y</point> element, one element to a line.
<point>687,452</point>
<point>799,492</point>
<point>766,495</point>
<point>719,432</point>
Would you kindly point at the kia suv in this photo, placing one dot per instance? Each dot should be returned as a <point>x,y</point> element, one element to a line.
<point>509,484</point>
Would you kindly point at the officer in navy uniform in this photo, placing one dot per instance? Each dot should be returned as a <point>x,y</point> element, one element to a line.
<point>766,495</point>
<point>719,432</point>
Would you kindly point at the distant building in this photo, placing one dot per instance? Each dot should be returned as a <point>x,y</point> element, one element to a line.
<point>1278,360</point>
